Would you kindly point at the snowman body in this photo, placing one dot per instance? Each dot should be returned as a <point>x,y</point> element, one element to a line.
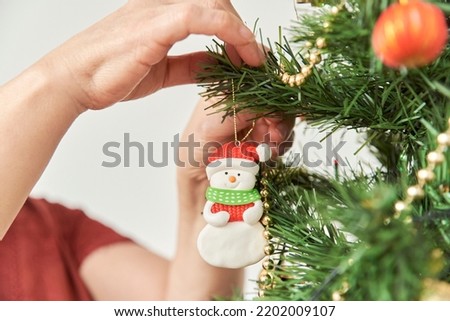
<point>233,236</point>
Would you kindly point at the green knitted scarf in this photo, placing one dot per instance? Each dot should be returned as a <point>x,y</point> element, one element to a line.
<point>232,197</point>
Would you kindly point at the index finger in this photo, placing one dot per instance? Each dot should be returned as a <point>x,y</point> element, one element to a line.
<point>189,18</point>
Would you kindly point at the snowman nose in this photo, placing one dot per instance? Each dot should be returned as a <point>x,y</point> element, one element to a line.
<point>232,179</point>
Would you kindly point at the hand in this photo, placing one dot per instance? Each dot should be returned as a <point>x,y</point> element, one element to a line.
<point>124,56</point>
<point>206,128</point>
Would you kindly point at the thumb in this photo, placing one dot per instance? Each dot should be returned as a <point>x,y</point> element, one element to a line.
<point>183,69</point>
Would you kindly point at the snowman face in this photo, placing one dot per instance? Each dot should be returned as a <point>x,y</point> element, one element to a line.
<point>233,179</point>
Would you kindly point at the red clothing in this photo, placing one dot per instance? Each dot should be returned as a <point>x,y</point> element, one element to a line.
<point>236,211</point>
<point>41,253</point>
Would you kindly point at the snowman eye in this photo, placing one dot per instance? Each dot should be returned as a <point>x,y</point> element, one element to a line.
<point>226,173</point>
<point>239,174</point>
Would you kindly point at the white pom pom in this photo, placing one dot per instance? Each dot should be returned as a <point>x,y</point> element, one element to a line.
<point>264,152</point>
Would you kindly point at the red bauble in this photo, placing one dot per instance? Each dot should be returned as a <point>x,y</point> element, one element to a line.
<point>410,34</point>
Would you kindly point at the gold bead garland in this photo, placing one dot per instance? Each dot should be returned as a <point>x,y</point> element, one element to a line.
<point>435,290</point>
<point>273,261</point>
<point>339,295</point>
<point>266,277</point>
<point>314,55</point>
<point>425,175</point>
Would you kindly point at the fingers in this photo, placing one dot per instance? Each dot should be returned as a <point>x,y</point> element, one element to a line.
<point>233,54</point>
<point>278,128</point>
<point>231,51</point>
<point>210,126</point>
<point>178,70</point>
<point>225,4</point>
<point>188,18</point>
<point>276,132</point>
<point>183,69</point>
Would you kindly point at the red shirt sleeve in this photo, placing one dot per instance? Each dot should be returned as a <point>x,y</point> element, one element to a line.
<point>81,233</point>
<point>42,251</point>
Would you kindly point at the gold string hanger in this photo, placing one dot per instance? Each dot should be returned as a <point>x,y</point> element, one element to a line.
<point>236,140</point>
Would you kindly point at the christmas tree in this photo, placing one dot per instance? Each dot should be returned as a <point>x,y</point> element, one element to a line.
<point>381,68</point>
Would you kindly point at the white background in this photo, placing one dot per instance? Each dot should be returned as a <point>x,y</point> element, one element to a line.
<point>139,202</point>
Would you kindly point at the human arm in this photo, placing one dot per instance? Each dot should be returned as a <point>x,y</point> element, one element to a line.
<point>82,253</point>
<point>125,271</point>
<point>123,56</point>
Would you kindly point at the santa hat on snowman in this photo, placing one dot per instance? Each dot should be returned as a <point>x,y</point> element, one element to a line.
<point>240,156</point>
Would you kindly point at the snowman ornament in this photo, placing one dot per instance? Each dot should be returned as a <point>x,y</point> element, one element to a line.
<point>233,236</point>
